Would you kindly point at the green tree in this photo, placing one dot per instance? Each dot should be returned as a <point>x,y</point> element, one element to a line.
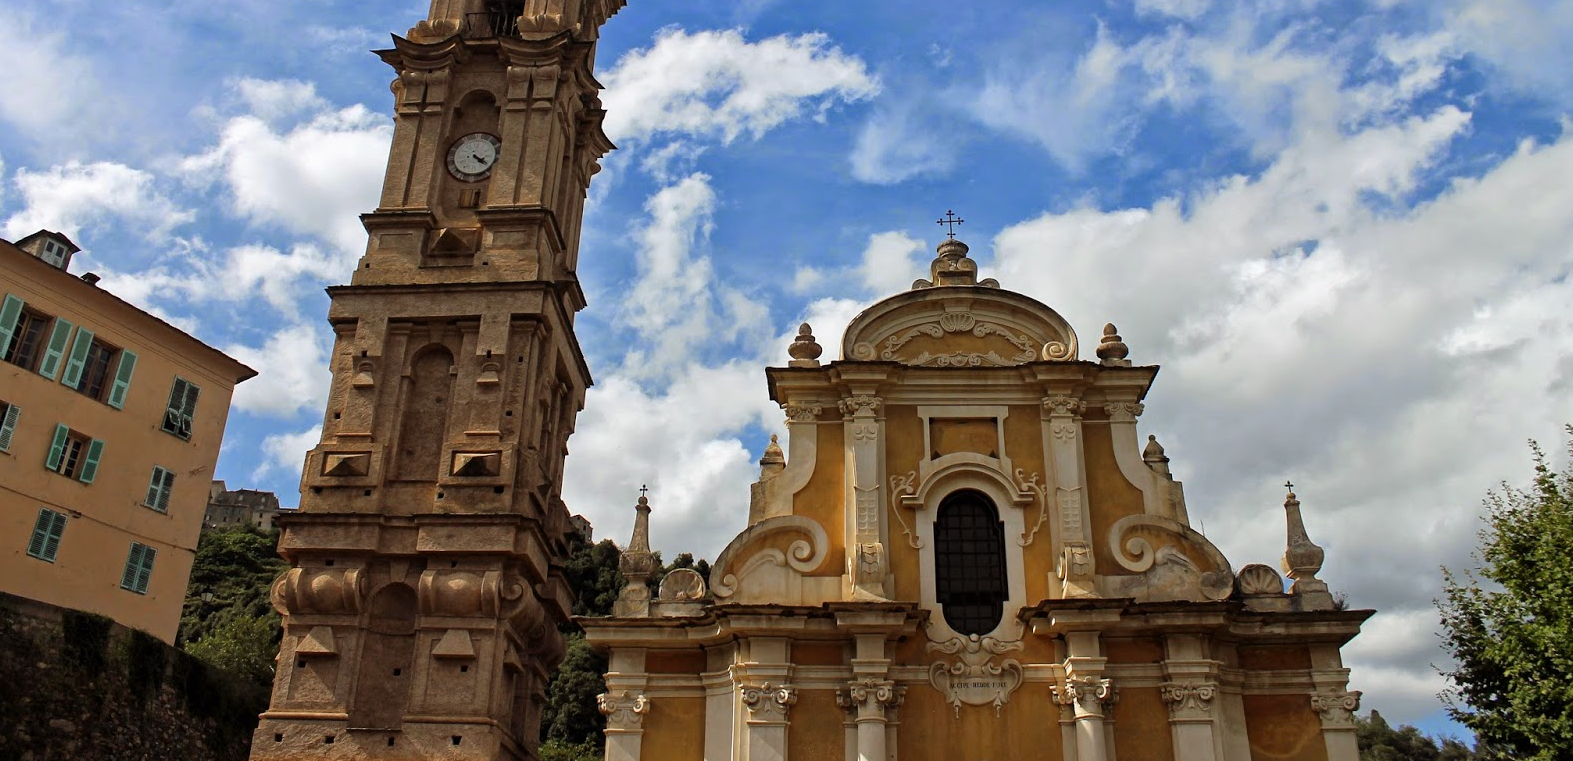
<point>1379,741</point>
<point>571,716</point>
<point>1512,640</point>
<point>592,572</point>
<point>236,628</point>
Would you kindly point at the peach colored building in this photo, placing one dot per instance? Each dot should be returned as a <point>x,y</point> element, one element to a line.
<point>110,423</point>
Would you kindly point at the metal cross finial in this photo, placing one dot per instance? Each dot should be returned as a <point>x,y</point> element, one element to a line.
<point>1289,485</point>
<point>643,489</point>
<point>950,221</point>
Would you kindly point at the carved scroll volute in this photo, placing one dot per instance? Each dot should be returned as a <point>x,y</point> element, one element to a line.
<point>302,590</point>
<point>1175,561</point>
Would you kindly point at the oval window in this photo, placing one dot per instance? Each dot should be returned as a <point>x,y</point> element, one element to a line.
<point>969,563</point>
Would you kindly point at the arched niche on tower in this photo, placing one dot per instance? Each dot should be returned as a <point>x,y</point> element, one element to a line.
<point>428,397</point>
<point>475,113</point>
<point>385,671</point>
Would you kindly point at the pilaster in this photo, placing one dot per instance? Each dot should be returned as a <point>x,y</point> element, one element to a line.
<point>867,564</point>
<point>1063,443</point>
<point>1191,693</point>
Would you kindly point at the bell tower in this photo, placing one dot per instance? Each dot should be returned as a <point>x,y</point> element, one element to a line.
<point>421,608</point>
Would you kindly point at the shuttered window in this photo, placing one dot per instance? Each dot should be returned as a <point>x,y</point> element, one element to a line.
<point>969,563</point>
<point>27,338</point>
<point>74,455</point>
<point>10,312</point>
<point>47,531</point>
<point>182,408</point>
<point>117,392</point>
<point>55,350</point>
<point>139,568</point>
<point>159,488</point>
<point>9,414</point>
<point>72,376</point>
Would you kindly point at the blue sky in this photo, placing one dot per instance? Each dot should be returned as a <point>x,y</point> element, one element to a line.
<point>1342,227</point>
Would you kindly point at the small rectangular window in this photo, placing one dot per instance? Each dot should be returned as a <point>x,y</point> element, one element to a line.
<point>95,369</point>
<point>9,414</point>
<point>159,488</point>
<point>74,455</point>
<point>27,339</point>
<point>182,408</point>
<point>139,568</point>
<point>47,531</point>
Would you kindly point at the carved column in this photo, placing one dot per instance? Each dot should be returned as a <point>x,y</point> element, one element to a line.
<point>1062,424</point>
<point>1191,693</point>
<point>1337,711</point>
<point>1089,697</point>
<point>624,714</point>
<point>866,561</point>
<point>768,706</point>
<point>872,701</point>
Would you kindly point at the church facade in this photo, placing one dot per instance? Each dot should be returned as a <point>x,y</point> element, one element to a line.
<point>966,551</point>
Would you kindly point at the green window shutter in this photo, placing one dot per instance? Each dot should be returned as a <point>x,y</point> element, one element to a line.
<point>56,350</point>
<point>56,530</point>
<point>73,375</point>
<point>117,392</point>
<point>57,448</point>
<point>145,569</point>
<point>8,426</point>
<point>10,310</point>
<point>128,578</point>
<point>41,533</point>
<point>159,488</point>
<point>95,449</point>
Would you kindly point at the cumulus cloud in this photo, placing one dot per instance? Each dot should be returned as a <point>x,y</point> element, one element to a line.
<point>72,197</point>
<point>286,451</point>
<point>1310,332</point>
<point>311,178</point>
<point>292,367</point>
<point>899,142</point>
<point>50,92</point>
<point>718,84</point>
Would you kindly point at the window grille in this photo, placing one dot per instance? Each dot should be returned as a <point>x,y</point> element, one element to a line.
<point>969,563</point>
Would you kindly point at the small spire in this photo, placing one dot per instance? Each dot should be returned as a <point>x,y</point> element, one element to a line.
<point>773,454</point>
<point>804,350</point>
<point>1112,350</point>
<point>1303,558</point>
<point>637,565</point>
<point>1153,455</point>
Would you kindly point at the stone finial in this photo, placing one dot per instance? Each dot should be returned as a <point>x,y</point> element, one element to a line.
<point>1303,559</point>
<point>774,460</point>
<point>1112,350</point>
<point>804,350</point>
<point>952,267</point>
<point>637,564</point>
<point>1153,455</point>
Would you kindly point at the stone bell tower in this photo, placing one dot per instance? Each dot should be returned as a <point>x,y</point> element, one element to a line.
<point>421,609</point>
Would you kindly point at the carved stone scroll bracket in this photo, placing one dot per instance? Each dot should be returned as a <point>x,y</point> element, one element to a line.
<point>1177,563</point>
<point>624,711</point>
<point>901,486</point>
<point>736,562</point>
<point>769,703</point>
<point>1189,701</point>
<point>974,677</point>
<point>1034,486</point>
<point>301,590</point>
<point>1337,709</point>
<point>868,567</point>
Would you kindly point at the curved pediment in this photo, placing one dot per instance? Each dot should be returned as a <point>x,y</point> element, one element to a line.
<point>959,326</point>
<point>953,320</point>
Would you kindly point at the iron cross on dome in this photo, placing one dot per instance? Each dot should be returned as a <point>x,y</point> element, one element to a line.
<point>950,221</point>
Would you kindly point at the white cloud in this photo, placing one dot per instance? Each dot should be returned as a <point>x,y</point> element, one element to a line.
<point>313,178</point>
<point>898,142</point>
<point>74,196</point>
<point>1185,9</point>
<point>244,272</point>
<point>671,302</point>
<point>891,262</point>
<point>1389,362</point>
<point>292,372</point>
<point>274,100</point>
<point>716,83</point>
<point>286,451</point>
<point>1524,42</point>
<point>49,92</point>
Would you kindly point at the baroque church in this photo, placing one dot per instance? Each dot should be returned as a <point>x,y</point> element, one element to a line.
<point>964,549</point>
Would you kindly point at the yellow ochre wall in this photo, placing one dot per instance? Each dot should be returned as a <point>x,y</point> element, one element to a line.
<point>820,499</point>
<point>816,731</point>
<point>1283,728</point>
<point>1024,446</point>
<point>1109,496</point>
<point>1027,728</point>
<point>674,730</point>
<point>107,515</point>
<point>903,451</point>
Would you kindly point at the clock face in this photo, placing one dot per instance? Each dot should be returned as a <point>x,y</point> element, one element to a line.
<point>473,156</point>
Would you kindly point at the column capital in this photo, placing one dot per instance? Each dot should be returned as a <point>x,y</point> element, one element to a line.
<point>1189,701</point>
<point>769,703</point>
<point>1337,709</point>
<point>624,711</point>
<point>1123,411</point>
<point>1089,695</point>
<point>1061,405</point>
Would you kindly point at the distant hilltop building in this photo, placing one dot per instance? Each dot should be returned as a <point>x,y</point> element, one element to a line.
<point>110,423</point>
<point>241,507</point>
